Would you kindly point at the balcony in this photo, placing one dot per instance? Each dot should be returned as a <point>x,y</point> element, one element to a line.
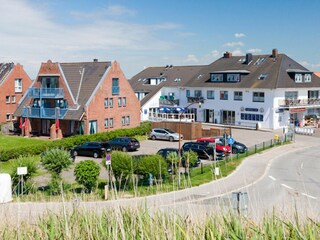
<point>52,93</point>
<point>47,113</point>
<point>168,102</point>
<point>297,103</point>
<point>195,100</point>
<point>115,90</point>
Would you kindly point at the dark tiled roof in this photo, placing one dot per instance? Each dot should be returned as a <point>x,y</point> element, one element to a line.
<point>93,72</point>
<point>5,68</point>
<point>274,68</point>
<point>176,76</point>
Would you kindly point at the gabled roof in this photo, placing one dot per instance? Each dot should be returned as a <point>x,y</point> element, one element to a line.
<point>277,72</point>
<point>5,69</point>
<point>173,76</point>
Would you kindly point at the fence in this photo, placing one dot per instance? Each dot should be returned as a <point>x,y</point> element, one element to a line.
<point>304,131</point>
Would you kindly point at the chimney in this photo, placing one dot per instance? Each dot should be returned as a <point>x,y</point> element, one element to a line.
<point>248,58</point>
<point>274,53</point>
<point>95,59</point>
<point>227,55</point>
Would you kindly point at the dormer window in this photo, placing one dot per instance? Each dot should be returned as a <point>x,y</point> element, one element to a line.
<point>307,78</point>
<point>216,77</point>
<point>262,76</point>
<point>233,77</point>
<point>154,81</point>
<point>298,78</point>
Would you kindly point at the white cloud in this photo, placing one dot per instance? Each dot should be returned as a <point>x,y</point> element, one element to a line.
<point>254,50</point>
<point>191,58</point>
<point>35,37</point>
<point>239,35</point>
<point>215,54</point>
<point>234,44</point>
<point>237,52</point>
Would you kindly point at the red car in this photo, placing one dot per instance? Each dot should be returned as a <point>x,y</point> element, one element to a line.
<point>219,146</point>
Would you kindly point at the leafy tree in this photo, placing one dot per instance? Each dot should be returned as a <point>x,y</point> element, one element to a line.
<point>153,164</point>
<point>122,164</point>
<point>55,160</point>
<point>191,157</point>
<point>87,173</point>
<point>173,161</point>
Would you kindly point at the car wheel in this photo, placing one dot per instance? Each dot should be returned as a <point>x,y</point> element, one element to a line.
<point>234,151</point>
<point>171,139</point>
<point>153,137</point>
<point>95,155</point>
<point>124,149</point>
<point>75,153</point>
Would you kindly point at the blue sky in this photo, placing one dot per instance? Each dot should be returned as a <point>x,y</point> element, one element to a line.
<point>145,33</point>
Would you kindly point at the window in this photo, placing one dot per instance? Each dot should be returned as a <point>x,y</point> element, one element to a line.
<point>124,101</point>
<point>49,82</point>
<point>119,102</point>
<point>13,99</point>
<point>187,93</point>
<point>13,117</point>
<point>115,86</point>
<point>233,77</point>
<point>258,97</point>
<point>237,96</point>
<point>128,120</point>
<point>307,78</point>
<point>210,94</point>
<point>7,99</point>
<point>111,122</point>
<point>8,116</point>
<point>106,123</point>
<point>298,78</point>
<point>123,121</point>
<point>111,102</point>
<point>291,95</point>
<point>197,93</point>
<point>18,85</point>
<point>262,76</point>
<point>252,117</point>
<point>106,102</point>
<point>223,95</point>
<point>313,94</point>
<point>216,77</point>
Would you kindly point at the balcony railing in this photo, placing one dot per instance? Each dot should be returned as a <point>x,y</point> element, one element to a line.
<point>172,117</point>
<point>299,102</point>
<point>195,100</point>
<point>115,90</point>
<point>168,102</point>
<point>45,93</point>
<point>47,113</point>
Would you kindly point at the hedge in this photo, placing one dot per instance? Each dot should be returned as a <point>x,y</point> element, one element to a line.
<point>70,142</point>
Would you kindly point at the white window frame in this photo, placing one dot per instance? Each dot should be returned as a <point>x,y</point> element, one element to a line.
<point>7,99</point>
<point>18,85</point>
<point>13,99</point>
<point>298,78</point>
<point>307,77</point>
<point>106,102</point>
<point>210,94</point>
<point>128,120</point>
<point>8,118</point>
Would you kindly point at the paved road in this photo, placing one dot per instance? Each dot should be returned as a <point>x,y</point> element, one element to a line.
<point>209,197</point>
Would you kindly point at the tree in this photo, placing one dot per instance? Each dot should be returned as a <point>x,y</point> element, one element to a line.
<point>55,160</point>
<point>191,157</point>
<point>87,173</point>
<point>122,164</point>
<point>154,164</point>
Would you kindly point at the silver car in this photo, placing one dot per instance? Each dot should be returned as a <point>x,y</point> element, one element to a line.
<point>164,134</point>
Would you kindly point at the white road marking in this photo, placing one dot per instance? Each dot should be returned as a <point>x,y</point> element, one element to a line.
<point>309,196</point>
<point>272,178</point>
<point>301,165</point>
<point>286,186</point>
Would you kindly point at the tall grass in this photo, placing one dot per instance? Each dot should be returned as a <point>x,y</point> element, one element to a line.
<point>139,223</point>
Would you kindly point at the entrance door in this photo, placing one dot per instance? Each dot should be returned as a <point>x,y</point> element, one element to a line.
<point>93,127</point>
<point>209,116</point>
<point>228,117</point>
<point>45,127</point>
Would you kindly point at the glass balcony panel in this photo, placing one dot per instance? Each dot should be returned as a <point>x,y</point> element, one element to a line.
<point>45,93</point>
<point>48,113</point>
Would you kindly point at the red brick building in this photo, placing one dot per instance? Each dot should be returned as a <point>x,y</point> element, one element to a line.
<point>14,82</point>
<point>79,98</point>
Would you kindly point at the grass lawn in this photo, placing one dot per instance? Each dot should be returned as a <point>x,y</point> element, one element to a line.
<point>16,141</point>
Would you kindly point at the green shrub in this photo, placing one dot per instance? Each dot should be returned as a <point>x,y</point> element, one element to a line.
<point>122,164</point>
<point>153,164</point>
<point>192,156</point>
<point>87,173</point>
<point>55,160</point>
<point>56,185</point>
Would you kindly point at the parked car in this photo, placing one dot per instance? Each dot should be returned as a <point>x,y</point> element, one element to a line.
<point>219,146</point>
<point>203,149</point>
<point>94,149</point>
<point>237,147</point>
<point>124,144</point>
<point>164,134</point>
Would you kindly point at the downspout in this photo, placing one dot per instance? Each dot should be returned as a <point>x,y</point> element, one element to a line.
<point>80,84</point>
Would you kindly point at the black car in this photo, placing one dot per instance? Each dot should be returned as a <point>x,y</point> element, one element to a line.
<point>237,147</point>
<point>124,144</point>
<point>94,149</point>
<point>203,149</point>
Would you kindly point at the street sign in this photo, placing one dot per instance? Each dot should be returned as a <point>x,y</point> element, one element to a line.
<point>230,140</point>
<point>108,159</point>
<point>22,170</point>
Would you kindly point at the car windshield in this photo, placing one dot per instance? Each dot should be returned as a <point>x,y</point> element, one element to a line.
<point>133,140</point>
<point>169,131</point>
